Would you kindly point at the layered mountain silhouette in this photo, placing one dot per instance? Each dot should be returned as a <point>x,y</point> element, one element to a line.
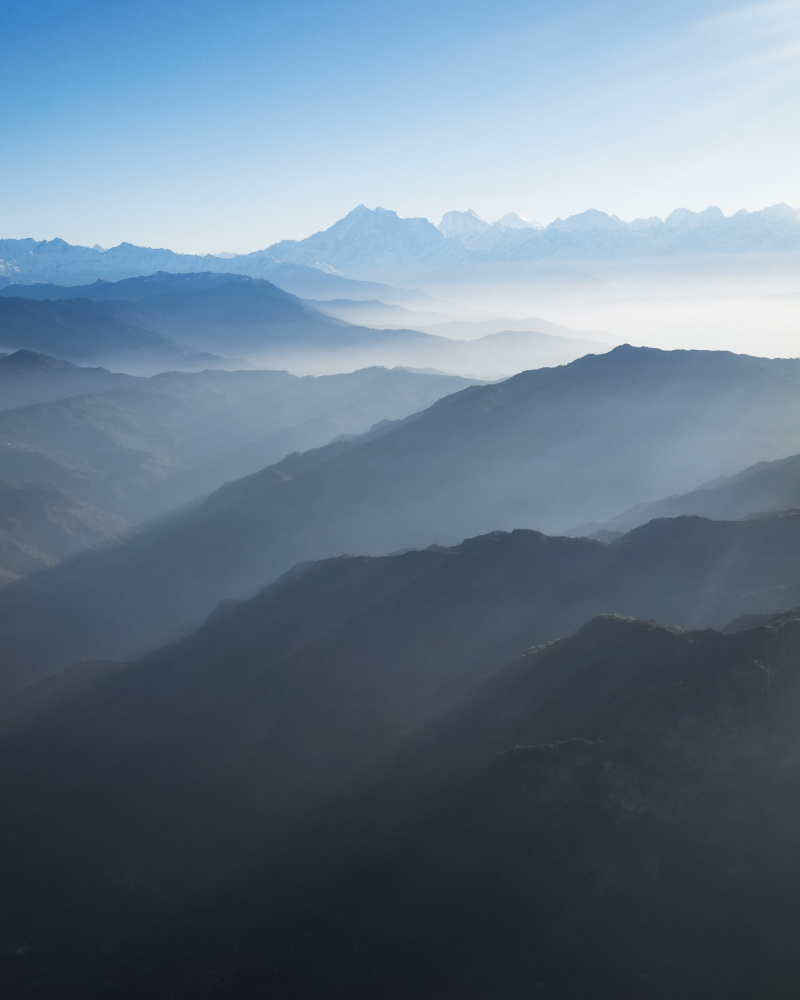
<point>340,788</point>
<point>311,688</point>
<point>166,319</point>
<point>156,443</point>
<point>179,318</point>
<point>86,332</point>
<point>545,449</point>
<point>237,761</point>
<point>381,314</point>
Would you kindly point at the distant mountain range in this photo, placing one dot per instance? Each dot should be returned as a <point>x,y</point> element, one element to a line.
<point>170,319</point>
<point>49,261</point>
<point>379,241</point>
<point>547,449</point>
<point>190,321</point>
<point>375,242</point>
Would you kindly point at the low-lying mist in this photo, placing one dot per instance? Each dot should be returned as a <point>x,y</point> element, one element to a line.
<point>750,305</point>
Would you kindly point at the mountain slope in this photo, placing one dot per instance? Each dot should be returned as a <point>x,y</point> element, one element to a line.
<point>767,486</point>
<point>89,332</point>
<point>172,438</point>
<point>245,316</point>
<point>615,816</point>
<point>544,449</point>
<point>473,329</point>
<point>41,526</point>
<point>27,377</point>
<point>241,316</point>
<point>378,235</point>
<point>229,314</point>
<point>160,803</point>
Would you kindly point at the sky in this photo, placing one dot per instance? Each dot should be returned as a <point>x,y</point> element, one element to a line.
<point>208,127</point>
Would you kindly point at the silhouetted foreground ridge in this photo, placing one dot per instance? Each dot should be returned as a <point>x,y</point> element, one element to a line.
<point>615,815</point>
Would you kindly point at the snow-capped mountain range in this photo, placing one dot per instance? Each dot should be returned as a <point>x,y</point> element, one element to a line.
<point>370,243</point>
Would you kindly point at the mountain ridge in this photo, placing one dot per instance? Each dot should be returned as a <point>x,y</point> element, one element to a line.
<point>355,737</point>
<point>368,239</point>
<point>136,447</point>
<point>174,315</point>
<point>623,422</point>
<point>766,487</point>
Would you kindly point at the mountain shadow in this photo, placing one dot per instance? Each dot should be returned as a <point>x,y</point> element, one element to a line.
<point>610,816</point>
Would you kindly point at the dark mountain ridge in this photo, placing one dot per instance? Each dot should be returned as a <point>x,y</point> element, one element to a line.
<point>613,816</point>
<point>544,449</point>
<point>160,804</point>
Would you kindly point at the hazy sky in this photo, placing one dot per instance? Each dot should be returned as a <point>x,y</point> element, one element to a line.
<point>226,126</point>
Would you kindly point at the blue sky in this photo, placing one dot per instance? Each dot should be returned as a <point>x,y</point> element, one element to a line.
<point>210,126</point>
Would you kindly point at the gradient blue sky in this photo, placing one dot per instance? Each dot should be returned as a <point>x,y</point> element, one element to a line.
<point>226,126</point>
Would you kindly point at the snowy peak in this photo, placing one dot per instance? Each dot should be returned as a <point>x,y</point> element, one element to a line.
<point>363,221</point>
<point>782,211</point>
<point>379,245</point>
<point>587,221</point>
<point>469,223</point>
<point>692,220</point>
<point>463,223</point>
<point>513,221</point>
<point>375,236</point>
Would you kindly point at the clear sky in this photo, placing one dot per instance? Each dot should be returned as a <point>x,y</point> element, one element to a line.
<point>209,126</point>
